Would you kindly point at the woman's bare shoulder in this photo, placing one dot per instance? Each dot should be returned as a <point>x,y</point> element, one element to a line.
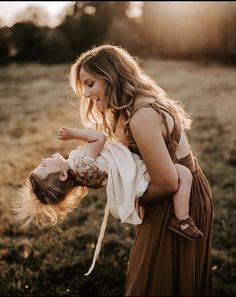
<point>144,113</point>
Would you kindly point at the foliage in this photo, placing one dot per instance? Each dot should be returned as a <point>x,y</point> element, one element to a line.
<point>177,30</point>
<point>26,41</point>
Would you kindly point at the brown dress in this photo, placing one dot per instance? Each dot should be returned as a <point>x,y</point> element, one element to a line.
<point>163,263</point>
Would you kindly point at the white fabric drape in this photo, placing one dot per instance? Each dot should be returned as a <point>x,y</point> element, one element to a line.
<point>125,184</point>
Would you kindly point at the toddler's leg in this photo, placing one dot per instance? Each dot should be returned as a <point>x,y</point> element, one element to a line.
<point>181,222</point>
<point>181,197</point>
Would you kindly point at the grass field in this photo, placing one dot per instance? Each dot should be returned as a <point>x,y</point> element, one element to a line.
<point>35,101</point>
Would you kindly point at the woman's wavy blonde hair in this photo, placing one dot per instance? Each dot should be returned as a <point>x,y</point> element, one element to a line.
<point>125,80</point>
<point>46,202</point>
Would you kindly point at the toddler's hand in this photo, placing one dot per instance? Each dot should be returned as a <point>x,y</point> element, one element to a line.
<point>65,133</point>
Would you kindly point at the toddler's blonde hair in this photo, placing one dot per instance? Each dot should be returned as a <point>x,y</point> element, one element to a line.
<point>30,206</point>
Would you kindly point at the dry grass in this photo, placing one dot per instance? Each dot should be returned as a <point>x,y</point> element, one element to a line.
<point>34,103</point>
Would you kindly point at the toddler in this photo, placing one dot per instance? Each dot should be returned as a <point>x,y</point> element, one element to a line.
<point>57,185</point>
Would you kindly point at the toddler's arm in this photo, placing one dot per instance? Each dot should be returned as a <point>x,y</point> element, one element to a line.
<point>94,140</point>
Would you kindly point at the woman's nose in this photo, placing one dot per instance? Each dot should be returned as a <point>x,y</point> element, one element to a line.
<point>86,94</point>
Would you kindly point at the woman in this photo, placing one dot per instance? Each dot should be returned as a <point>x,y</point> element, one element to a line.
<point>122,101</point>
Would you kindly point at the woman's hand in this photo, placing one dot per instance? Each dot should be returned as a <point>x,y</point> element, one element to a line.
<point>141,211</point>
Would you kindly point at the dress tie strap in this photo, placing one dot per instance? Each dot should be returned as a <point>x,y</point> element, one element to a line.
<point>100,238</point>
<point>171,142</point>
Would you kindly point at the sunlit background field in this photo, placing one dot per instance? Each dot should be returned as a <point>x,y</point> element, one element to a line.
<point>36,99</point>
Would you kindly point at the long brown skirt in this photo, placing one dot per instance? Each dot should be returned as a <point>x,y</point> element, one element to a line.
<point>163,263</point>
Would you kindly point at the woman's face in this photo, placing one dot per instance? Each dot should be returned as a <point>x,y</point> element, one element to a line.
<point>94,89</point>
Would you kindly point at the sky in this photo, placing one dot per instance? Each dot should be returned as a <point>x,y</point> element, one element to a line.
<point>8,9</point>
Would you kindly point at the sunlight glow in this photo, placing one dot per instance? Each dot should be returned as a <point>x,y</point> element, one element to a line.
<point>180,6</point>
<point>8,9</point>
<point>135,9</point>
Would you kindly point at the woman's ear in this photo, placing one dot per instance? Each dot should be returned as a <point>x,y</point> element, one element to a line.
<point>63,175</point>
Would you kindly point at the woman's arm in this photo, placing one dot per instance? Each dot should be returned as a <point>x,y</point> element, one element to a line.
<point>150,141</point>
<point>94,140</point>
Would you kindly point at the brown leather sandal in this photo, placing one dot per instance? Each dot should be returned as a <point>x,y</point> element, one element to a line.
<point>191,232</point>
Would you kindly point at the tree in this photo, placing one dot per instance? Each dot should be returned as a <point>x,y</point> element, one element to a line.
<point>55,39</point>
<point>4,45</point>
<point>90,22</point>
<point>26,39</point>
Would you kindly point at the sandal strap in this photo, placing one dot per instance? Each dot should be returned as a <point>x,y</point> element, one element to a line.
<point>191,230</point>
<point>189,221</point>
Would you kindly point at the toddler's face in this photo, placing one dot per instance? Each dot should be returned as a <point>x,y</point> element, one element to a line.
<point>55,163</point>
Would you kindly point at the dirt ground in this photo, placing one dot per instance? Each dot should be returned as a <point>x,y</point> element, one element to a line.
<point>35,101</point>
